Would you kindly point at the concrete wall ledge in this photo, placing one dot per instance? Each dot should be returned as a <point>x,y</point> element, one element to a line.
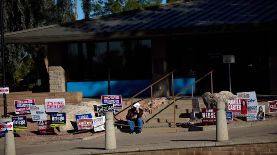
<point>70,97</point>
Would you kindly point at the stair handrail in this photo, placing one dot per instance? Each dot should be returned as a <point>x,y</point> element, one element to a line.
<point>200,79</point>
<point>149,86</point>
<point>187,87</point>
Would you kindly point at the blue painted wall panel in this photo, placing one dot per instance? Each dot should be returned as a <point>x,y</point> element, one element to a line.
<point>123,87</point>
<point>129,87</point>
<point>89,89</point>
<point>182,83</point>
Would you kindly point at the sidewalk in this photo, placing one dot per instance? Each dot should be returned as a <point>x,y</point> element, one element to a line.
<point>154,139</point>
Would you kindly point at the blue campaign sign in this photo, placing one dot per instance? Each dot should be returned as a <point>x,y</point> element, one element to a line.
<point>23,106</point>
<point>84,122</point>
<point>229,116</point>
<point>58,119</point>
<point>83,116</point>
<point>115,100</point>
<point>112,99</point>
<point>19,122</point>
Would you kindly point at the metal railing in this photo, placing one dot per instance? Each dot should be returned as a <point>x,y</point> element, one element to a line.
<point>183,90</point>
<point>130,102</point>
<point>145,89</point>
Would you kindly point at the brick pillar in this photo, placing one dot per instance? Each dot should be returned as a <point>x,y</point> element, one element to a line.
<point>56,79</point>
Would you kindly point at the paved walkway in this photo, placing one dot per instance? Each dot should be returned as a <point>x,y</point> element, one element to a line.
<point>153,139</point>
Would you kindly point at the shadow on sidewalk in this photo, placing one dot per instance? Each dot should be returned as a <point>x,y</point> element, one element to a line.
<point>193,140</point>
<point>122,126</point>
<point>84,148</point>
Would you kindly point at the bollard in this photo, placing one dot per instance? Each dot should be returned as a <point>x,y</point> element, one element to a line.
<point>221,123</point>
<point>110,138</point>
<point>9,140</point>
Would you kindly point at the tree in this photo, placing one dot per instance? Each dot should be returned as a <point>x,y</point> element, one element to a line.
<point>133,5</point>
<point>65,11</point>
<point>24,14</point>
<point>105,7</point>
<point>86,5</point>
<point>113,6</point>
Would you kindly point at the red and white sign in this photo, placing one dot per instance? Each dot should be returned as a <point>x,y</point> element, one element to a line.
<point>84,124</point>
<point>23,106</point>
<point>208,115</point>
<point>5,90</point>
<point>54,105</point>
<point>272,106</point>
<point>234,105</point>
<point>6,126</point>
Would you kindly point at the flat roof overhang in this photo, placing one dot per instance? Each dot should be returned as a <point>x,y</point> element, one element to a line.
<point>58,33</point>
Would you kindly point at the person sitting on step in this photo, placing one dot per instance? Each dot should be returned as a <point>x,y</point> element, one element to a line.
<point>134,118</point>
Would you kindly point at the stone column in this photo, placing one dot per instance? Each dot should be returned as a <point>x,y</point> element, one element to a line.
<point>221,123</point>
<point>56,79</point>
<point>9,146</point>
<point>110,138</point>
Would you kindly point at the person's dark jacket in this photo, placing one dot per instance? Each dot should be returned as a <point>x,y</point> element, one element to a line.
<point>133,114</point>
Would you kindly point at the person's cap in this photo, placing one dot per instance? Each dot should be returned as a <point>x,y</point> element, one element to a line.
<point>137,105</point>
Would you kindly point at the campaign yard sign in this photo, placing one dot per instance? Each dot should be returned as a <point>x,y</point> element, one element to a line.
<point>208,115</point>
<point>98,124</point>
<point>38,113</point>
<point>261,112</point>
<point>54,105</point>
<point>238,106</point>
<point>250,96</point>
<point>19,122</point>
<point>234,105</point>
<point>6,126</point>
<point>116,100</point>
<point>4,90</point>
<point>57,119</point>
<point>84,121</point>
<point>45,128</point>
<point>229,116</point>
<point>251,113</point>
<point>272,106</point>
<point>102,109</point>
<point>23,106</point>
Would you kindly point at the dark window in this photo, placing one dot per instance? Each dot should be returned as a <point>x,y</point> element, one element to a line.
<point>125,60</point>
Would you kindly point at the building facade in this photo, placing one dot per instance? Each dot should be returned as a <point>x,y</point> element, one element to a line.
<point>126,52</point>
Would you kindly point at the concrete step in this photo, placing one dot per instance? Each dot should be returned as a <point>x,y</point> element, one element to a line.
<point>155,125</point>
<point>177,111</point>
<point>171,119</point>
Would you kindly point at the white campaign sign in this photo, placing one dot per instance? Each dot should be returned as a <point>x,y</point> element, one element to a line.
<point>54,105</point>
<point>38,113</point>
<point>6,126</point>
<point>5,90</point>
<point>250,96</point>
<point>99,123</point>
